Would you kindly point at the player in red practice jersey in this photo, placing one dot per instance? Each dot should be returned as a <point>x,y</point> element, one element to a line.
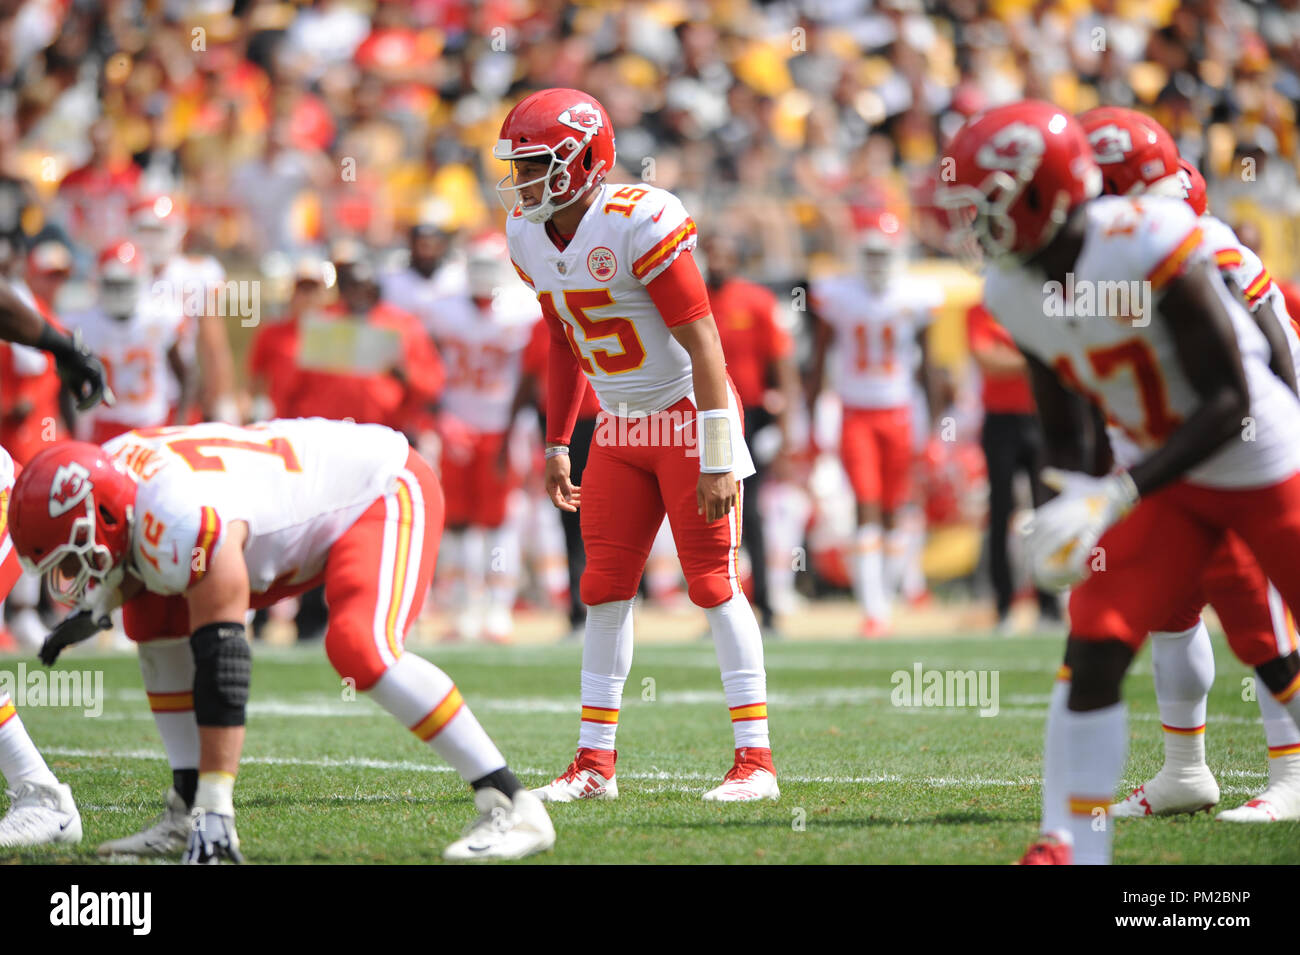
<point>627,307</point>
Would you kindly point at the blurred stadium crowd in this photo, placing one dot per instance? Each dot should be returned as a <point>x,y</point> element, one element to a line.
<point>280,166</point>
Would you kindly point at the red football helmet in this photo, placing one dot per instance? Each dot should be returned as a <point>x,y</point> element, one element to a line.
<point>487,265</point>
<point>122,276</point>
<point>882,241</point>
<point>1011,176</point>
<point>568,130</point>
<point>1194,189</point>
<point>158,226</point>
<point>1136,154</point>
<point>70,519</point>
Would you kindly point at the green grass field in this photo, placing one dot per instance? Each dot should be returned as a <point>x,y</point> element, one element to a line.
<point>330,780</point>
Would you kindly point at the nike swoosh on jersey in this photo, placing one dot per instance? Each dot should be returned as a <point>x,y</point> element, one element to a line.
<point>655,217</point>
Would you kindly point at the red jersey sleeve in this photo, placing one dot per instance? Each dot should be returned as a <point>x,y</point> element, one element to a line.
<point>564,385</point>
<point>679,292</point>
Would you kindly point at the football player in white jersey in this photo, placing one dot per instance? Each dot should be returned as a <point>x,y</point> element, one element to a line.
<point>1121,314</point>
<point>434,273</point>
<point>189,527</point>
<point>627,306</point>
<point>138,341</point>
<point>187,286</point>
<point>481,338</point>
<point>1139,157</point>
<point>41,809</point>
<point>877,324</point>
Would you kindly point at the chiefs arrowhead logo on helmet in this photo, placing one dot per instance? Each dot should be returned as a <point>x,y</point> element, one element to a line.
<point>1016,147</point>
<point>1110,143</point>
<point>582,117</point>
<point>69,488</point>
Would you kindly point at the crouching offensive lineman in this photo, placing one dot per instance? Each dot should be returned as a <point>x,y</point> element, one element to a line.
<point>188,527</point>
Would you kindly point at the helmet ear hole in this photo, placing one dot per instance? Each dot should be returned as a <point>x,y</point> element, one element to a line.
<point>1032,199</point>
<point>106,516</point>
<point>587,160</point>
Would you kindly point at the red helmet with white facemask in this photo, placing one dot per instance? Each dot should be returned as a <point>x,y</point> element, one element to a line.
<point>569,132</point>
<point>70,519</point>
<point>158,226</point>
<point>1011,177</point>
<point>882,242</point>
<point>122,272</point>
<point>487,265</point>
<point>1136,154</point>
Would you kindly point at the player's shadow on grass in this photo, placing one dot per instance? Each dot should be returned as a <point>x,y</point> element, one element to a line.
<point>292,801</point>
<point>841,822</point>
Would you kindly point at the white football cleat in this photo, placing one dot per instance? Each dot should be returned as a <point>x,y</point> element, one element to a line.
<point>40,813</point>
<point>1167,794</point>
<point>751,777</point>
<point>1279,801</point>
<point>498,625</point>
<point>504,829</point>
<point>1265,807</point>
<point>589,776</point>
<point>168,835</point>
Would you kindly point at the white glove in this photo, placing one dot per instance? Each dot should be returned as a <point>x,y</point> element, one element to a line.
<point>212,838</point>
<point>1061,535</point>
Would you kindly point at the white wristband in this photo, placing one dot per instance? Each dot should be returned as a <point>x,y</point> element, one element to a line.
<point>715,441</point>
<point>555,450</point>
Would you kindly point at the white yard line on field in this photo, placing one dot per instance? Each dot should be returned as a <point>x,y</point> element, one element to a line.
<point>655,775</point>
<point>316,706</point>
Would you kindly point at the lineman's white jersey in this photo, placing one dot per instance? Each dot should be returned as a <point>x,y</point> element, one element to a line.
<point>134,353</point>
<point>876,353</point>
<point>299,483</point>
<point>1129,365</point>
<point>596,288</point>
<point>482,350</point>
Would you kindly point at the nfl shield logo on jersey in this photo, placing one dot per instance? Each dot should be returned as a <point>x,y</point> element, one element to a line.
<point>601,264</point>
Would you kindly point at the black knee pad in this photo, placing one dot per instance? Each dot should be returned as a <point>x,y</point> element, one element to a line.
<point>222,672</point>
<point>1277,675</point>
<point>1097,669</point>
